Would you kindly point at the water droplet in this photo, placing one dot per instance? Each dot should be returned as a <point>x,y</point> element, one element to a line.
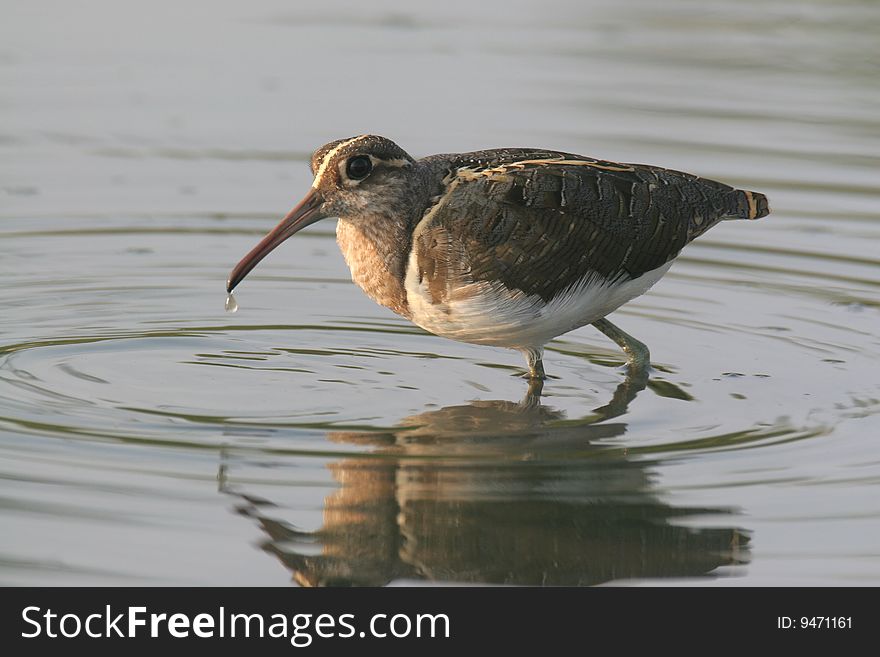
<point>231,304</point>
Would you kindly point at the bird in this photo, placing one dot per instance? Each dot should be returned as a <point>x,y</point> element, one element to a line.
<point>509,247</point>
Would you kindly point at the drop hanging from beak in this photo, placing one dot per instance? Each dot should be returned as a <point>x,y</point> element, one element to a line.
<point>304,214</point>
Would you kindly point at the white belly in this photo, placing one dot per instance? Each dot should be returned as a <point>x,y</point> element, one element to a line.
<point>484,313</point>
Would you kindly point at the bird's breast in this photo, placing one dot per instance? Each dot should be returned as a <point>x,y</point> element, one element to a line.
<point>376,265</point>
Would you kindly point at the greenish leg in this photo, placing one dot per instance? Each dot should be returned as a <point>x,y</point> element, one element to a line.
<point>536,365</point>
<point>533,396</point>
<point>639,356</point>
<point>638,371</point>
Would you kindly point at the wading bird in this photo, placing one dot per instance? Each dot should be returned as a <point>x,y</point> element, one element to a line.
<point>509,247</point>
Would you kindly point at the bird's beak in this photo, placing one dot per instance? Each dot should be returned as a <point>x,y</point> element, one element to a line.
<point>304,214</point>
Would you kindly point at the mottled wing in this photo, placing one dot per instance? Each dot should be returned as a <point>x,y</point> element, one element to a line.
<point>541,225</point>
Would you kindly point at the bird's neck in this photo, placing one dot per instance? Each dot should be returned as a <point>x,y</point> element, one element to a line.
<point>376,250</point>
<point>376,247</point>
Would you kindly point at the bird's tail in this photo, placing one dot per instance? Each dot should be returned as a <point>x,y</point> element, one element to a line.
<point>747,205</point>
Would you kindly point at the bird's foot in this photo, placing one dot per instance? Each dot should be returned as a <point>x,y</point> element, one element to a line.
<point>531,376</point>
<point>536,387</point>
<point>638,355</point>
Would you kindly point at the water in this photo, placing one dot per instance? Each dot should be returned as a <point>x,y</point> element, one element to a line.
<point>149,437</point>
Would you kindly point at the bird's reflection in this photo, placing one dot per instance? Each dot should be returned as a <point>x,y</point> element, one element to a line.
<point>496,492</point>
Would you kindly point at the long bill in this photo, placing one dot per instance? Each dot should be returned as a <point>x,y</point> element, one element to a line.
<point>304,214</point>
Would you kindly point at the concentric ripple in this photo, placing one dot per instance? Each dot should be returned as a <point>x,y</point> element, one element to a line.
<point>294,381</point>
<point>764,367</point>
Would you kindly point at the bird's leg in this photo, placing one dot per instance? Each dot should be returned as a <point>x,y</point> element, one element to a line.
<point>533,396</point>
<point>536,365</point>
<point>637,371</point>
<point>639,356</point>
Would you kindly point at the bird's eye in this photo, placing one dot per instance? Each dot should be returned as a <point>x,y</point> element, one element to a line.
<point>359,167</point>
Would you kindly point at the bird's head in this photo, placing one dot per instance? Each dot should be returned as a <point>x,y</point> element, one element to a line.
<point>366,175</point>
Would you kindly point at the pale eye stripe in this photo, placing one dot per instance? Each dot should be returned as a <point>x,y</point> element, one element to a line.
<point>329,156</point>
<point>397,163</point>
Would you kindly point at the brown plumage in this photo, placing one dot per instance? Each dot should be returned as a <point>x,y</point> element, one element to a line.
<point>510,247</point>
<point>542,221</point>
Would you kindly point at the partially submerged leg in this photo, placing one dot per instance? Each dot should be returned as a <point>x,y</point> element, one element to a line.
<point>639,356</point>
<point>533,396</point>
<point>637,371</point>
<point>536,365</point>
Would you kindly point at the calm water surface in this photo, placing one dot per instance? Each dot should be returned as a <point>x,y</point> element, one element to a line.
<point>148,437</point>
